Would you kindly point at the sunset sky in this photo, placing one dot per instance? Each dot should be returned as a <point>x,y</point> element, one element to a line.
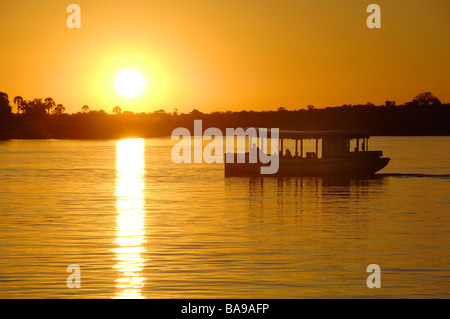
<point>217,55</point>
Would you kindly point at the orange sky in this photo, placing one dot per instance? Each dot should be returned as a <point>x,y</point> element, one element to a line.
<point>216,55</point>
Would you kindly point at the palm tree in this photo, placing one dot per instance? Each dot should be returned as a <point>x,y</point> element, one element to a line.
<point>85,109</point>
<point>18,101</point>
<point>49,104</point>
<point>59,109</point>
<point>25,106</point>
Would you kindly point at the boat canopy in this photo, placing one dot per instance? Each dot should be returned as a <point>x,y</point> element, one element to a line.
<point>299,135</point>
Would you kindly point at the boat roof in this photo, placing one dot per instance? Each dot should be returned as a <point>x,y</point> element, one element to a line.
<point>298,135</point>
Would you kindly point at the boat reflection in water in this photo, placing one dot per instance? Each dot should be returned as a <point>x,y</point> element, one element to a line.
<point>130,234</point>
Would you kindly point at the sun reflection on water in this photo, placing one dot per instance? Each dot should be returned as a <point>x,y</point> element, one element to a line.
<point>130,234</point>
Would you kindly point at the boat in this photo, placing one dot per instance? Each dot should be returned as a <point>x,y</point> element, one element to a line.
<point>337,155</point>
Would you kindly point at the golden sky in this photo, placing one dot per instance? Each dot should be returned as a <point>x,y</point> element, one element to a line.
<point>217,55</point>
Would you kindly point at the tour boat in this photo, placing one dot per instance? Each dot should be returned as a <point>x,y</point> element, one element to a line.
<point>337,156</point>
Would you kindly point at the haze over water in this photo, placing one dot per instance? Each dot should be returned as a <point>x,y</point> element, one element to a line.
<point>140,226</point>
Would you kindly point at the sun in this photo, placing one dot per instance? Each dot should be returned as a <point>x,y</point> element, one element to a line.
<point>130,83</point>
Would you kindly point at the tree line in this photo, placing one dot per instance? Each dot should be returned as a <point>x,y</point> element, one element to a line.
<point>44,118</point>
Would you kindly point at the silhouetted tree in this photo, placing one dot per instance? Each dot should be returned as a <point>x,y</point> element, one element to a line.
<point>49,104</point>
<point>5,115</point>
<point>196,113</point>
<point>59,109</point>
<point>401,120</point>
<point>160,112</point>
<point>25,106</point>
<point>5,108</point>
<point>18,100</point>
<point>427,98</point>
<point>117,110</point>
<point>36,108</point>
<point>389,103</point>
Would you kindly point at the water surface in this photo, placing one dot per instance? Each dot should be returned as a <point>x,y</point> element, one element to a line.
<point>140,226</point>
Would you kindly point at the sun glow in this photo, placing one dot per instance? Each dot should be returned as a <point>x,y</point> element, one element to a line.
<point>130,83</point>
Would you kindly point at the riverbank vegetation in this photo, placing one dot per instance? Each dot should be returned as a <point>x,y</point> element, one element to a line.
<point>44,118</point>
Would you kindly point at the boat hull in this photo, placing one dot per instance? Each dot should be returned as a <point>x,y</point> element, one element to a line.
<point>313,167</point>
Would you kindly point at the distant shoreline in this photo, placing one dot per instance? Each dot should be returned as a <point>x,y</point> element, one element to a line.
<point>36,120</point>
<point>165,136</point>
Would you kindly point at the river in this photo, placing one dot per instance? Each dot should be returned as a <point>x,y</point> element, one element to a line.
<point>140,226</point>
